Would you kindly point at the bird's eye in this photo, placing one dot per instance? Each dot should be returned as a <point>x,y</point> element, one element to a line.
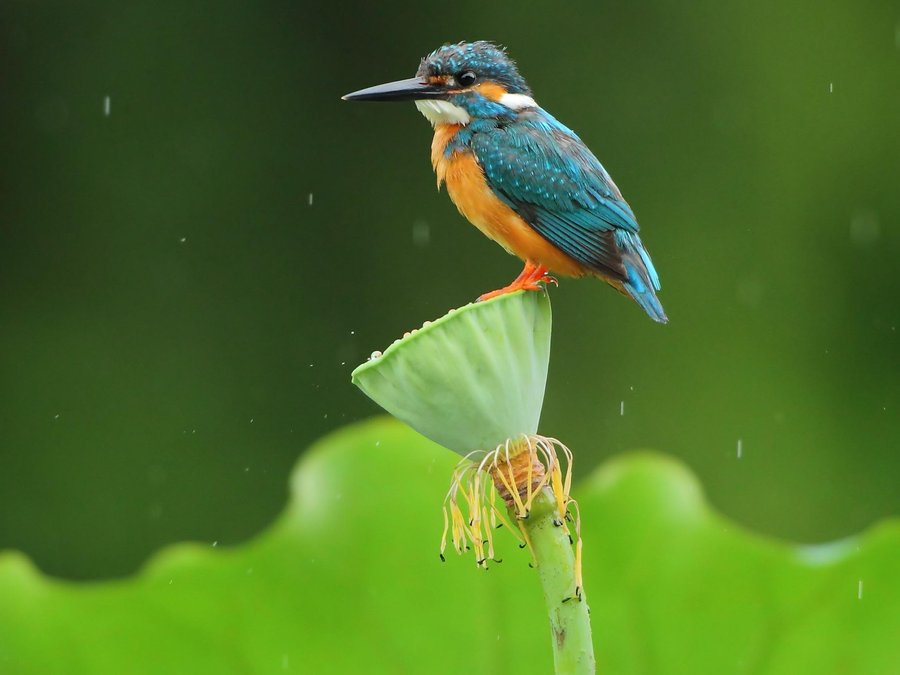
<point>466,79</point>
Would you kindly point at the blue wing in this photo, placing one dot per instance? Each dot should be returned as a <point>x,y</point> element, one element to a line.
<point>543,171</point>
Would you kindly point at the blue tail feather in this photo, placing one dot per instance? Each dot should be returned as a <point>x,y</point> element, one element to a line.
<point>644,295</point>
<point>643,281</point>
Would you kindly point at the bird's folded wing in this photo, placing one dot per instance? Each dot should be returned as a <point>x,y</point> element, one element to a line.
<point>551,180</point>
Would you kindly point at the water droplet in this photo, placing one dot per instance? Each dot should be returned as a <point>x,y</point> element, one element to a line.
<point>622,408</point>
<point>865,228</point>
<point>309,199</point>
<point>421,233</point>
<point>375,355</point>
<point>107,106</point>
<point>859,589</point>
<point>740,448</point>
<point>215,543</point>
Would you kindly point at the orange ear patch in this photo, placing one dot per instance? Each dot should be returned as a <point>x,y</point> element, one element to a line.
<point>490,90</point>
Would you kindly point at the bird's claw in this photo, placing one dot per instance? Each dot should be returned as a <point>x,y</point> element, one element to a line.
<point>521,284</point>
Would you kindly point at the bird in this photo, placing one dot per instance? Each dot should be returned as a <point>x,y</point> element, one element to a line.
<point>523,178</point>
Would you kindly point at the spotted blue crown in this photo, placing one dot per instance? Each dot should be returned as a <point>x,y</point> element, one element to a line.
<point>488,60</point>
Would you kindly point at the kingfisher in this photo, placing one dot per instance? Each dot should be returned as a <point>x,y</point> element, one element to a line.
<point>520,176</point>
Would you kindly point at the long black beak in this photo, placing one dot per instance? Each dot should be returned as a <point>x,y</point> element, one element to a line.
<point>413,89</point>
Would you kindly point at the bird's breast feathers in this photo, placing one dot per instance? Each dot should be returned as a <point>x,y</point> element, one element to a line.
<point>470,192</point>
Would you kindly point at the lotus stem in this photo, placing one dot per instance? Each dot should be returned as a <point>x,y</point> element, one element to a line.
<point>473,381</point>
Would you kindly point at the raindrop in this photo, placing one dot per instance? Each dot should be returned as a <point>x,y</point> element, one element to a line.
<point>309,199</point>
<point>831,87</point>
<point>421,233</point>
<point>107,106</point>
<point>56,416</point>
<point>859,589</point>
<point>740,448</point>
<point>622,408</point>
<point>183,240</point>
<point>864,228</point>
<point>215,543</point>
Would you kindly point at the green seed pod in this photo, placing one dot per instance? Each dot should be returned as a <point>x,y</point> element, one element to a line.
<point>472,379</point>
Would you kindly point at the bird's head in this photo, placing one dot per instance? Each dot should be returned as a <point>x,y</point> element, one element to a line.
<point>458,83</point>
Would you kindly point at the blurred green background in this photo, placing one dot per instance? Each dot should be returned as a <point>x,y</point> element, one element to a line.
<point>188,280</point>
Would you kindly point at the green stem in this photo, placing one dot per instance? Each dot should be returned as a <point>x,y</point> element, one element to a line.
<point>570,623</point>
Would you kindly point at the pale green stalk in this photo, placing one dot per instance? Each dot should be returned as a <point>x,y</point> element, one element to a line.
<point>570,623</point>
<point>474,382</point>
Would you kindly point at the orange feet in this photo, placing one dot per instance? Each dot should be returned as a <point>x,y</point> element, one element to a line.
<point>528,280</point>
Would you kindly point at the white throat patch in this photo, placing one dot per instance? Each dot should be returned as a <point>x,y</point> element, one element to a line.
<point>442,112</point>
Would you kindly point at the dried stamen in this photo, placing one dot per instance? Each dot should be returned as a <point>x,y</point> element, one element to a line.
<point>516,471</point>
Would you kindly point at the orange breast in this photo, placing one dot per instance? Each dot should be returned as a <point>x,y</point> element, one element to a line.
<point>469,190</point>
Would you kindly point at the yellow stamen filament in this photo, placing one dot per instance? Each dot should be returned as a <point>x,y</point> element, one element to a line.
<point>517,471</point>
